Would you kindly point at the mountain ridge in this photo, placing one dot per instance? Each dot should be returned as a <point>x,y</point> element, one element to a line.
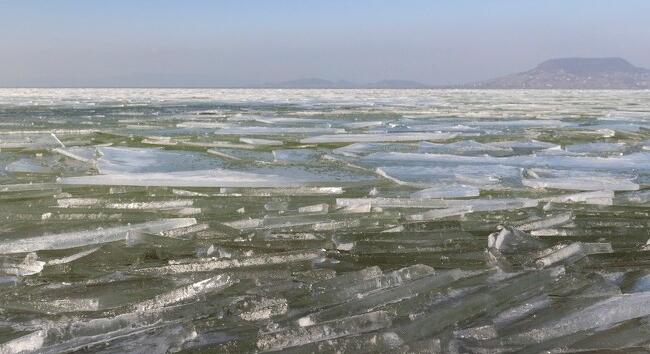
<point>573,73</point>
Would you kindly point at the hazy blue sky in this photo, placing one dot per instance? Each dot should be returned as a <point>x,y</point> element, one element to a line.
<point>239,42</point>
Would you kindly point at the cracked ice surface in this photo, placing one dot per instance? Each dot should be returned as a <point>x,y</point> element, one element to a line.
<point>301,221</point>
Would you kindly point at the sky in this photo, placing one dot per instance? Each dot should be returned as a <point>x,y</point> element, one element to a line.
<point>202,43</point>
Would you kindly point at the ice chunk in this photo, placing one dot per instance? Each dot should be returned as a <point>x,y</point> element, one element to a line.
<point>31,342</point>
<point>216,283</point>
<point>109,204</point>
<point>72,257</point>
<point>256,309</point>
<point>598,198</point>
<point>29,266</point>
<point>29,141</point>
<point>356,149</point>
<point>447,191</point>
<point>261,142</point>
<point>465,147</point>
<point>316,208</point>
<point>294,155</point>
<point>601,315</point>
<point>637,161</point>
<point>573,253</point>
<point>362,287</point>
<point>294,336</point>
<point>212,264</point>
<point>79,153</point>
<point>511,240</point>
<point>548,222</point>
<point>597,148</point>
<point>424,176</point>
<point>222,154</point>
<point>525,145</point>
<point>406,290</point>
<point>203,178</point>
<point>386,342</point>
<point>280,131</point>
<point>582,184</point>
<point>118,160</point>
<point>369,138</point>
<point>84,238</point>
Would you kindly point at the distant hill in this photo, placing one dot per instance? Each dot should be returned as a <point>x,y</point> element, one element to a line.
<point>574,73</point>
<point>317,83</point>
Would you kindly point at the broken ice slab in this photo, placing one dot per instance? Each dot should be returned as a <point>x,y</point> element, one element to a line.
<point>582,184</point>
<point>439,214</point>
<point>164,339</point>
<point>203,178</point>
<point>79,153</point>
<point>72,257</point>
<point>447,191</point>
<point>477,302</point>
<point>242,155</point>
<point>295,336</point>
<point>112,204</point>
<point>597,198</point>
<point>385,342</point>
<point>524,310</point>
<point>212,264</point>
<point>363,287</point>
<point>276,206</point>
<point>203,125</point>
<point>342,281</point>
<point>90,237</point>
<point>223,154</point>
<point>70,335</point>
<point>475,204</point>
<point>218,144</point>
<point>285,191</point>
<point>29,266</point>
<point>631,198</point>
<point>547,222</point>
<point>294,155</point>
<point>425,284</point>
<point>160,140</point>
<point>119,160</point>
<point>520,123</point>
<point>511,240</point>
<point>364,124</point>
<point>30,165</point>
<point>639,161</point>
<point>370,138</point>
<point>29,187</point>
<point>317,222</point>
<point>261,142</point>
<point>187,292</point>
<point>525,145</point>
<point>597,148</point>
<point>572,253</point>
<point>482,177</point>
<point>29,141</point>
<point>481,205</point>
<point>465,147</point>
<point>277,131</point>
<point>28,343</point>
<point>182,232</point>
<point>316,208</point>
<point>356,149</point>
<point>599,316</point>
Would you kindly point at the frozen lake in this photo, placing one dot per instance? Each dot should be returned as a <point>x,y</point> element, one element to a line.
<point>255,220</point>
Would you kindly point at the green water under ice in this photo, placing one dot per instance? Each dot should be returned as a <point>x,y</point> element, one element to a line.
<point>342,221</point>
